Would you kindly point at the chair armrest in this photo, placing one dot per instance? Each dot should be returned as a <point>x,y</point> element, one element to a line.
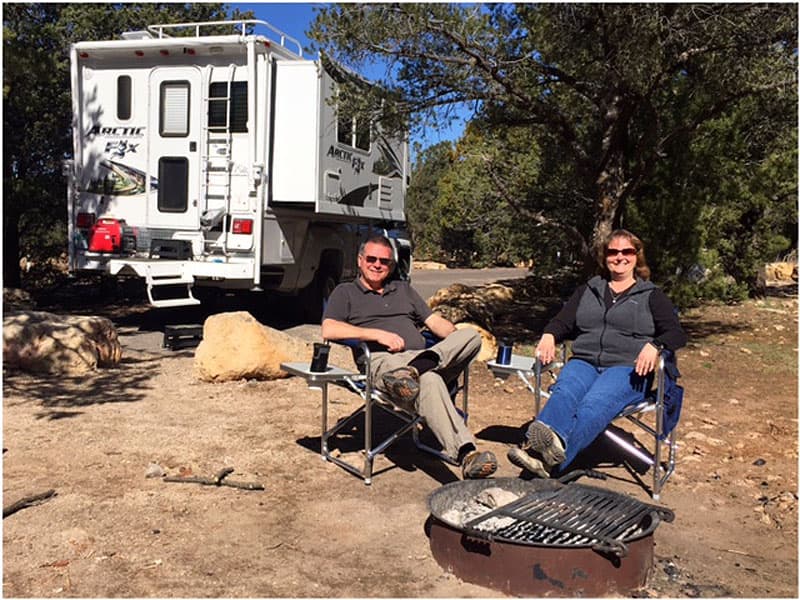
<point>356,347</point>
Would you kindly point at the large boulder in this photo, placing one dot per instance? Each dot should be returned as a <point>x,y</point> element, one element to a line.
<point>488,341</point>
<point>472,304</point>
<point>236,346</point>
<point>46,343</point>
<point>17,299</point>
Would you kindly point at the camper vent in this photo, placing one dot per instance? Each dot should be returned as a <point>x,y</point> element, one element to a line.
<point>137,35</point>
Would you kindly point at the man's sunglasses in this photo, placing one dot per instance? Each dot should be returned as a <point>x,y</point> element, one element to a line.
<point>625,252</point>
<point>386,262</point>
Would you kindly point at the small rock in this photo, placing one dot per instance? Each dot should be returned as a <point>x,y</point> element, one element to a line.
<point>759,462</point>
<point>154,470</point>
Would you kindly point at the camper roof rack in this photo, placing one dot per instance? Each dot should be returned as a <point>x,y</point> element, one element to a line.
<point>240,26</point>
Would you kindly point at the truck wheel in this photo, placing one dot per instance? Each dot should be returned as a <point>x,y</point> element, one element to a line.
<point>314,297</point>
<point>211,298</point>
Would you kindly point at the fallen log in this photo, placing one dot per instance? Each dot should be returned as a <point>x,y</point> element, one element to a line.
<point>27,501</point>
<point>217,480</point>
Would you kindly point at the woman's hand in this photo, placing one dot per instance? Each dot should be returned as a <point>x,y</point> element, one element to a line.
<point>546,350</point>
<point>646,361</point>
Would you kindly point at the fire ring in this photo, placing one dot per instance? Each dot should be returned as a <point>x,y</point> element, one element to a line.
<point>551,539</point>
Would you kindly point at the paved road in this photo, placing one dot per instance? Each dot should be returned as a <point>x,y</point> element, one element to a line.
<point>427,281</point>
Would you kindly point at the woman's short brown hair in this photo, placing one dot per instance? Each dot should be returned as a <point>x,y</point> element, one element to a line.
<point>641,270</point>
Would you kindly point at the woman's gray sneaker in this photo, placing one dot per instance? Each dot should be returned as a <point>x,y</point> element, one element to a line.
<point>523,460</point>
<point>544,441</point>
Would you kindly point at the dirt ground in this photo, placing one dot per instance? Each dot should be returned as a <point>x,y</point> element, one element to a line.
<point>315,530</point>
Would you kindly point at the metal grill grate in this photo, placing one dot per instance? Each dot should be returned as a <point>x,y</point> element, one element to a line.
<point>572,515</point>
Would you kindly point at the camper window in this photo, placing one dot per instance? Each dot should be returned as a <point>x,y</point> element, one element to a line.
<point>362,134</point>
<point>173,184</point>
<point>346,126</point>
<point>124,97</point>
<point>174,121</point>
<point>237,109</point>
<point>344,130</point>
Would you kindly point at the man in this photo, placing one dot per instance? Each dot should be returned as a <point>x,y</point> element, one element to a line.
<point>388,316</point>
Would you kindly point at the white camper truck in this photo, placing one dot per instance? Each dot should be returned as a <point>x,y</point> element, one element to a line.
<point>210,160</point>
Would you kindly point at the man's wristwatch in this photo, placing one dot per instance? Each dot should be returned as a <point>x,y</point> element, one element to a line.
<point>657,345</point>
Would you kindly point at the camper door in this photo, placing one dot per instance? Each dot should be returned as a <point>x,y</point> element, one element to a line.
<point>174,147</point>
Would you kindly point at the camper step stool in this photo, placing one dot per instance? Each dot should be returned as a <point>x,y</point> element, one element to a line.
<point>182,336</point>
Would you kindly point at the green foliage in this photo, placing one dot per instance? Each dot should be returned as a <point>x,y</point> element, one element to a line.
<point>629,106</point>
<point>37,111</point>
<point>421,199</point>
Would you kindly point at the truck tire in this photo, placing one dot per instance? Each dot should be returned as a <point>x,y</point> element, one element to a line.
<point>314,297</point>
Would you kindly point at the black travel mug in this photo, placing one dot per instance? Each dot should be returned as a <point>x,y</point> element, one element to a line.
<point>319,361</point>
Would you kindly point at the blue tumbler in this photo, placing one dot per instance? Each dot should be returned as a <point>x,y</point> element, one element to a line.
<point>504,349</point>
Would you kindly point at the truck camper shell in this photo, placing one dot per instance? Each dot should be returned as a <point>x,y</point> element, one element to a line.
<point>211,155</point>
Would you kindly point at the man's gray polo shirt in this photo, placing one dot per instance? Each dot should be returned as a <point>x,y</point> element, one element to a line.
<point>400,309</point>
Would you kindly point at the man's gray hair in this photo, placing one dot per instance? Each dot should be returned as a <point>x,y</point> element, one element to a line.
<point>379,239</point>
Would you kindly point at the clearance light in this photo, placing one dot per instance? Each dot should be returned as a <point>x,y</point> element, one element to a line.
<point>188,51</point>
<point>243,226</point>
<point>139,53</point>
<point>84,220</point>
<point>84,55</point>
<point>267,44</point>
<point>164,52</point>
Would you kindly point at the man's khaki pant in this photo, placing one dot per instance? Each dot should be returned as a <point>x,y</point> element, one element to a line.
<point>455,352</point>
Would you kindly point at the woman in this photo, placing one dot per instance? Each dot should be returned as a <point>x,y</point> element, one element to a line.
<point>619,322</point>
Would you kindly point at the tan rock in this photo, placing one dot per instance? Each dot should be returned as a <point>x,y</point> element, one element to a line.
<point>429,265</point>
<point>463,303</point>
<point>488,341</point>
<point>17,299</point>
<point>781,271</point>
<point>45,343</point>
<point>236,346</point>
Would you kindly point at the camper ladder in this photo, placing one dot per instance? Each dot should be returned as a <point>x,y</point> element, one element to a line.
<point>217,163</point>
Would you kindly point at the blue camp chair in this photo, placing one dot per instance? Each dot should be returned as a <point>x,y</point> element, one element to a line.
<point>374,401</point>
<point>657,416</point>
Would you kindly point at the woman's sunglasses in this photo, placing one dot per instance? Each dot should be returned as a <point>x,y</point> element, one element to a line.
<point>625,252</point>
<point>386,262</point>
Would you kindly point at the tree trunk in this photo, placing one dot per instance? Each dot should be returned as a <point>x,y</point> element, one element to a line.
<point>611,187</point>
<point>610,181</point>
<point>11,272</point>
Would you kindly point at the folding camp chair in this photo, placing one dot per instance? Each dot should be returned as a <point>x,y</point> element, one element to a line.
<point>657,415</point>
<point>664,403</point>
<point>661,407</point>
<point>374,401</point>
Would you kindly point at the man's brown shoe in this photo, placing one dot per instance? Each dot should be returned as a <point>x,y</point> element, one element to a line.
<point>478,465</point>
<point>402,383</point>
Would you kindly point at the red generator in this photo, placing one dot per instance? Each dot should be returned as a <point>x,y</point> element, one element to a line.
<point>111,236</point>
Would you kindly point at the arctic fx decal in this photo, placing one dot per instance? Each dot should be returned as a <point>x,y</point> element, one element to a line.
<point>346,156</point>
<point>98,129</point>
<point>389,164</point>
<point>116,179</point>
<point>120,148</point>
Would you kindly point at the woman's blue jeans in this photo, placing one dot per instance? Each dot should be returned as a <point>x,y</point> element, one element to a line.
<point>585,399</point>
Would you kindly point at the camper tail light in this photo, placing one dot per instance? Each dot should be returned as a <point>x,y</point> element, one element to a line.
<point>84,220</point>
<point>243,226</point>
<point>84,55</point>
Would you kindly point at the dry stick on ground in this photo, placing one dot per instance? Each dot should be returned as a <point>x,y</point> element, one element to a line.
<point>217,480</point>
<point>27,501</point>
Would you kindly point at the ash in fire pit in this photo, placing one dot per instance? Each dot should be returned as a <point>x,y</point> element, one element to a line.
<point>466,510</point>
